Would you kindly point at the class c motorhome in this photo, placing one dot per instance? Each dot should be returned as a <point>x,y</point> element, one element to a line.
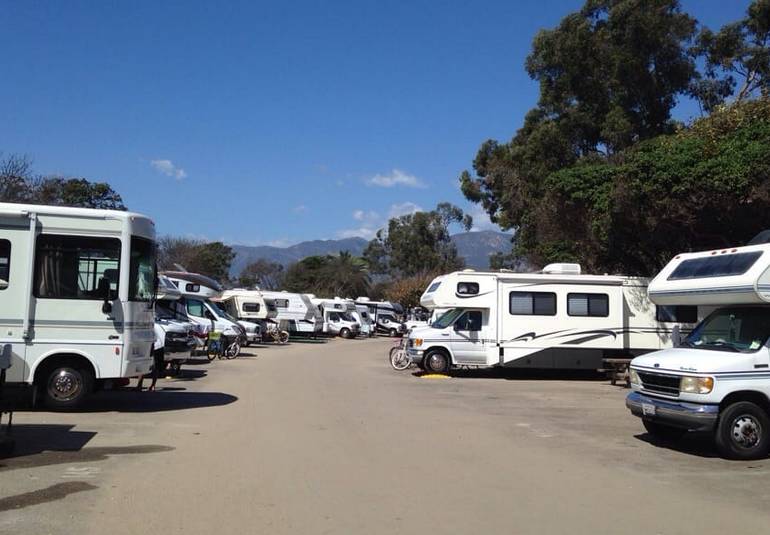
<point>173,329</point>
<point>76,288</point>
<point>387,316</point>
<point>296,313</point>
<point>338,319</point>
<point>718,379</point>
<point>558,318</point>
<point>249,305</point>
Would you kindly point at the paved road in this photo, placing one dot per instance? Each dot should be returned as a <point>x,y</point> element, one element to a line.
<point>324,438</point>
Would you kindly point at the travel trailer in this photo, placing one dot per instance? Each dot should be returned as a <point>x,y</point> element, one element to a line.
<point>365,319</point>
<point>386,315</point>
<point>296,313</point>
<point>558,318</point>
<point>77,288</point>
<point>174,337</point>
<point>197,291</point>
<point>718,378</point>
<point>338,317</point>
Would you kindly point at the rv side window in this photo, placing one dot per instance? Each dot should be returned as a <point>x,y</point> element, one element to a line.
<point>676,314</point>
<point>334,317</point>
<point>594,305</point>
<point>282,303</point>
<point>5,262</point>
<point>715,266</point>
<point>190,287</point>
<point>70,267</point>
<point>532,303</point>
<point>470,321</point>
<point>433,287</point>
<point>467,288</point>
<point>250,307</point>
<point>195,308</point>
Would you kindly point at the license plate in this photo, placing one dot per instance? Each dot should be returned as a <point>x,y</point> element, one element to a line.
<point>648,410</point>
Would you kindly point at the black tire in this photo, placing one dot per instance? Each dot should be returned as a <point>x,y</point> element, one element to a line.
<point>743,432</point>
<point>64,386</point>
<point>283,337</point>
<point>344,332</point>
<point>663,432</point>
<point>436,361</point>
<point>392,333</point>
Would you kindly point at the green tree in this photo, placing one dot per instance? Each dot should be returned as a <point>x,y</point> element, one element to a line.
<point>408,290</point>
<point>418,243</point>
<point>342,275</point>
<point>208,258</point>
<point>263,273</point>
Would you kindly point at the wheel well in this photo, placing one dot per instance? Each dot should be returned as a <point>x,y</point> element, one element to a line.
<point>60,359</point>
<point>758,398</point>
<point>442,349</point>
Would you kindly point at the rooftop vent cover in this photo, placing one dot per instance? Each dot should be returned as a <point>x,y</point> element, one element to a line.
<point>562,269</point>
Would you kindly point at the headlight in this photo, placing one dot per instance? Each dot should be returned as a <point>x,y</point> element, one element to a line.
<point>696,385</point>
<point>635,377</point>
<point>417,342</point>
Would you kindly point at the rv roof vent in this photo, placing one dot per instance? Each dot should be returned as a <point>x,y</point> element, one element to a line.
<point>469,270</point>
<point>562,269</point>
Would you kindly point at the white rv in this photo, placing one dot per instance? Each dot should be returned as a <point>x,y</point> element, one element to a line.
<point>296,313</point>
<point>248,305</point>
<point>173,329</point>
<point>338,317</point>
<point>365,319</point>
<point>718,378</point>
<point>387,316</point>
<point>558,318</point>
<point>76,287</point>
<point>197,291</point>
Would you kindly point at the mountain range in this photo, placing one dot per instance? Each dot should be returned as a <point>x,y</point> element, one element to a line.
<point>474,247</point>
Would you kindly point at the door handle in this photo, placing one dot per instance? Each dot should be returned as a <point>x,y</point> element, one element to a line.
<point>113,337</point>
<point>444,334</point>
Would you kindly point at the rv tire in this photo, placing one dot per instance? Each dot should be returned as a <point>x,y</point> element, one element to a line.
<point>392,333</point>
<point>436,361</point>
<point>65,384</point>
<point>743,432</point>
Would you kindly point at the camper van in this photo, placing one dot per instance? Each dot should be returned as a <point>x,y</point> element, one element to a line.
<point>557,318</point>
<point>77,288</point>
<point>338,317</point>
<point>718,378</point>
<point>296,313</point>
<point>387,316</point>
<point>197,291</point>
<point>173,329</point>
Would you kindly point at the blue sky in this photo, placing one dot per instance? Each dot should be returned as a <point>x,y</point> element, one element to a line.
<point>272,123</point>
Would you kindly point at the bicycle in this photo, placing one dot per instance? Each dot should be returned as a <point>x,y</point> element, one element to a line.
<point>399,357</point>
<point>221,346</point>
<point>273,333</point>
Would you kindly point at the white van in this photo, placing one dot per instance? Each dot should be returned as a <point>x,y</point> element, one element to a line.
<point>296,313</point>
<point>718,378</point>
<point>557,318</point>
<point>197,291</point>
<point>337,317</point>
<point>76,288</point>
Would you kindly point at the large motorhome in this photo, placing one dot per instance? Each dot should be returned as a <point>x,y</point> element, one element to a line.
<point>338,317</point>
<point>718,378</point>
<point>296,312</point>
<point>198,290</point>
<point>387,316</point>
<point>77,287</point>
<point>558,318</point>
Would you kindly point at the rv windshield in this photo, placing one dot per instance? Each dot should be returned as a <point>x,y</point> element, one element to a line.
<point>448,318</point>
<point>141,284</point>
<point>222,311</point>
<point>737,329</point>
<point>346,316</point>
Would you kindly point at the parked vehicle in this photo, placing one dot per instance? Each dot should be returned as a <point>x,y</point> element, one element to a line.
<point>338,317</point>
<point>558,318</point>
<point>77,290</point>
<point>362,315</point>
<point>174,332</point>
<point>296,313</point>
<point>197,291</point>
<point>718,379</point>
<point>387,316</point>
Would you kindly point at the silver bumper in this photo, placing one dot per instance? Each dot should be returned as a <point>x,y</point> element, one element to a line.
<point>682,414</point>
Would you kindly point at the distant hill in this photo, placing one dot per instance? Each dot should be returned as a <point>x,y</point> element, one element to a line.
<point>474,247</point>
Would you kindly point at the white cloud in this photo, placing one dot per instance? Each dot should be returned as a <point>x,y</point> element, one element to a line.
<point>168,168</point>
<point>301,208</point>
<point>403,208</point>
<point>395,178</point>
<point>362,215</point>
<point>481,219</point>
<point>361,232</point>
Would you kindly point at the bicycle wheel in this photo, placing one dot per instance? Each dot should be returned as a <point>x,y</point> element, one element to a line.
<point>232,350</point>
<point>283,337</point>
<point>399,359</point>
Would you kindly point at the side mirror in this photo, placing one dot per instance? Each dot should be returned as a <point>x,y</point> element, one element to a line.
<point>3,284</point>
<point>104,292</point>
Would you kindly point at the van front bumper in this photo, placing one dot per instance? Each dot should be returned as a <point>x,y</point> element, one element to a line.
<point>682,414</point>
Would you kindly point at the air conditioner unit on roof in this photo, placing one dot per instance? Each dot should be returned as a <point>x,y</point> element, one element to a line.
<point>562,269</point>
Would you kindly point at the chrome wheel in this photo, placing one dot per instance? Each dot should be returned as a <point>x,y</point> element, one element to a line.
<point>65,384</point>
<point>437,362</point>
<point>746,431</point>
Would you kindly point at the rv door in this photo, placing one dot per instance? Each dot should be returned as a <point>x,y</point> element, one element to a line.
<point>467,338</point>
<point>16,243</point>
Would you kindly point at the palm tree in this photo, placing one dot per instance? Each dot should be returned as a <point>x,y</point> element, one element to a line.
<point>347,275</point>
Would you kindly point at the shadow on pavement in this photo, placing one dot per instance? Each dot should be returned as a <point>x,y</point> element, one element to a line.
<point>698,444</point>
<point>518,374</point>
<point>53,493</point>
<point>44,445</point>
<point>130,401</point>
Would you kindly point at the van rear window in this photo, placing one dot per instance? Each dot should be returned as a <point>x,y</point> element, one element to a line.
<point>715,266</point>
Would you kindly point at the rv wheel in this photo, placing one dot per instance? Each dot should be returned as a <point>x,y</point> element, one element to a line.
<point>392,333</point>
<point>743,432</point>
<point>345,333</point>
<point>436,361</point>
<point>65,386</point>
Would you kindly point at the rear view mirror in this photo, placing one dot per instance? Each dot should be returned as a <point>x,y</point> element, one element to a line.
<point>104,292</point>
<point>3,284</point>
